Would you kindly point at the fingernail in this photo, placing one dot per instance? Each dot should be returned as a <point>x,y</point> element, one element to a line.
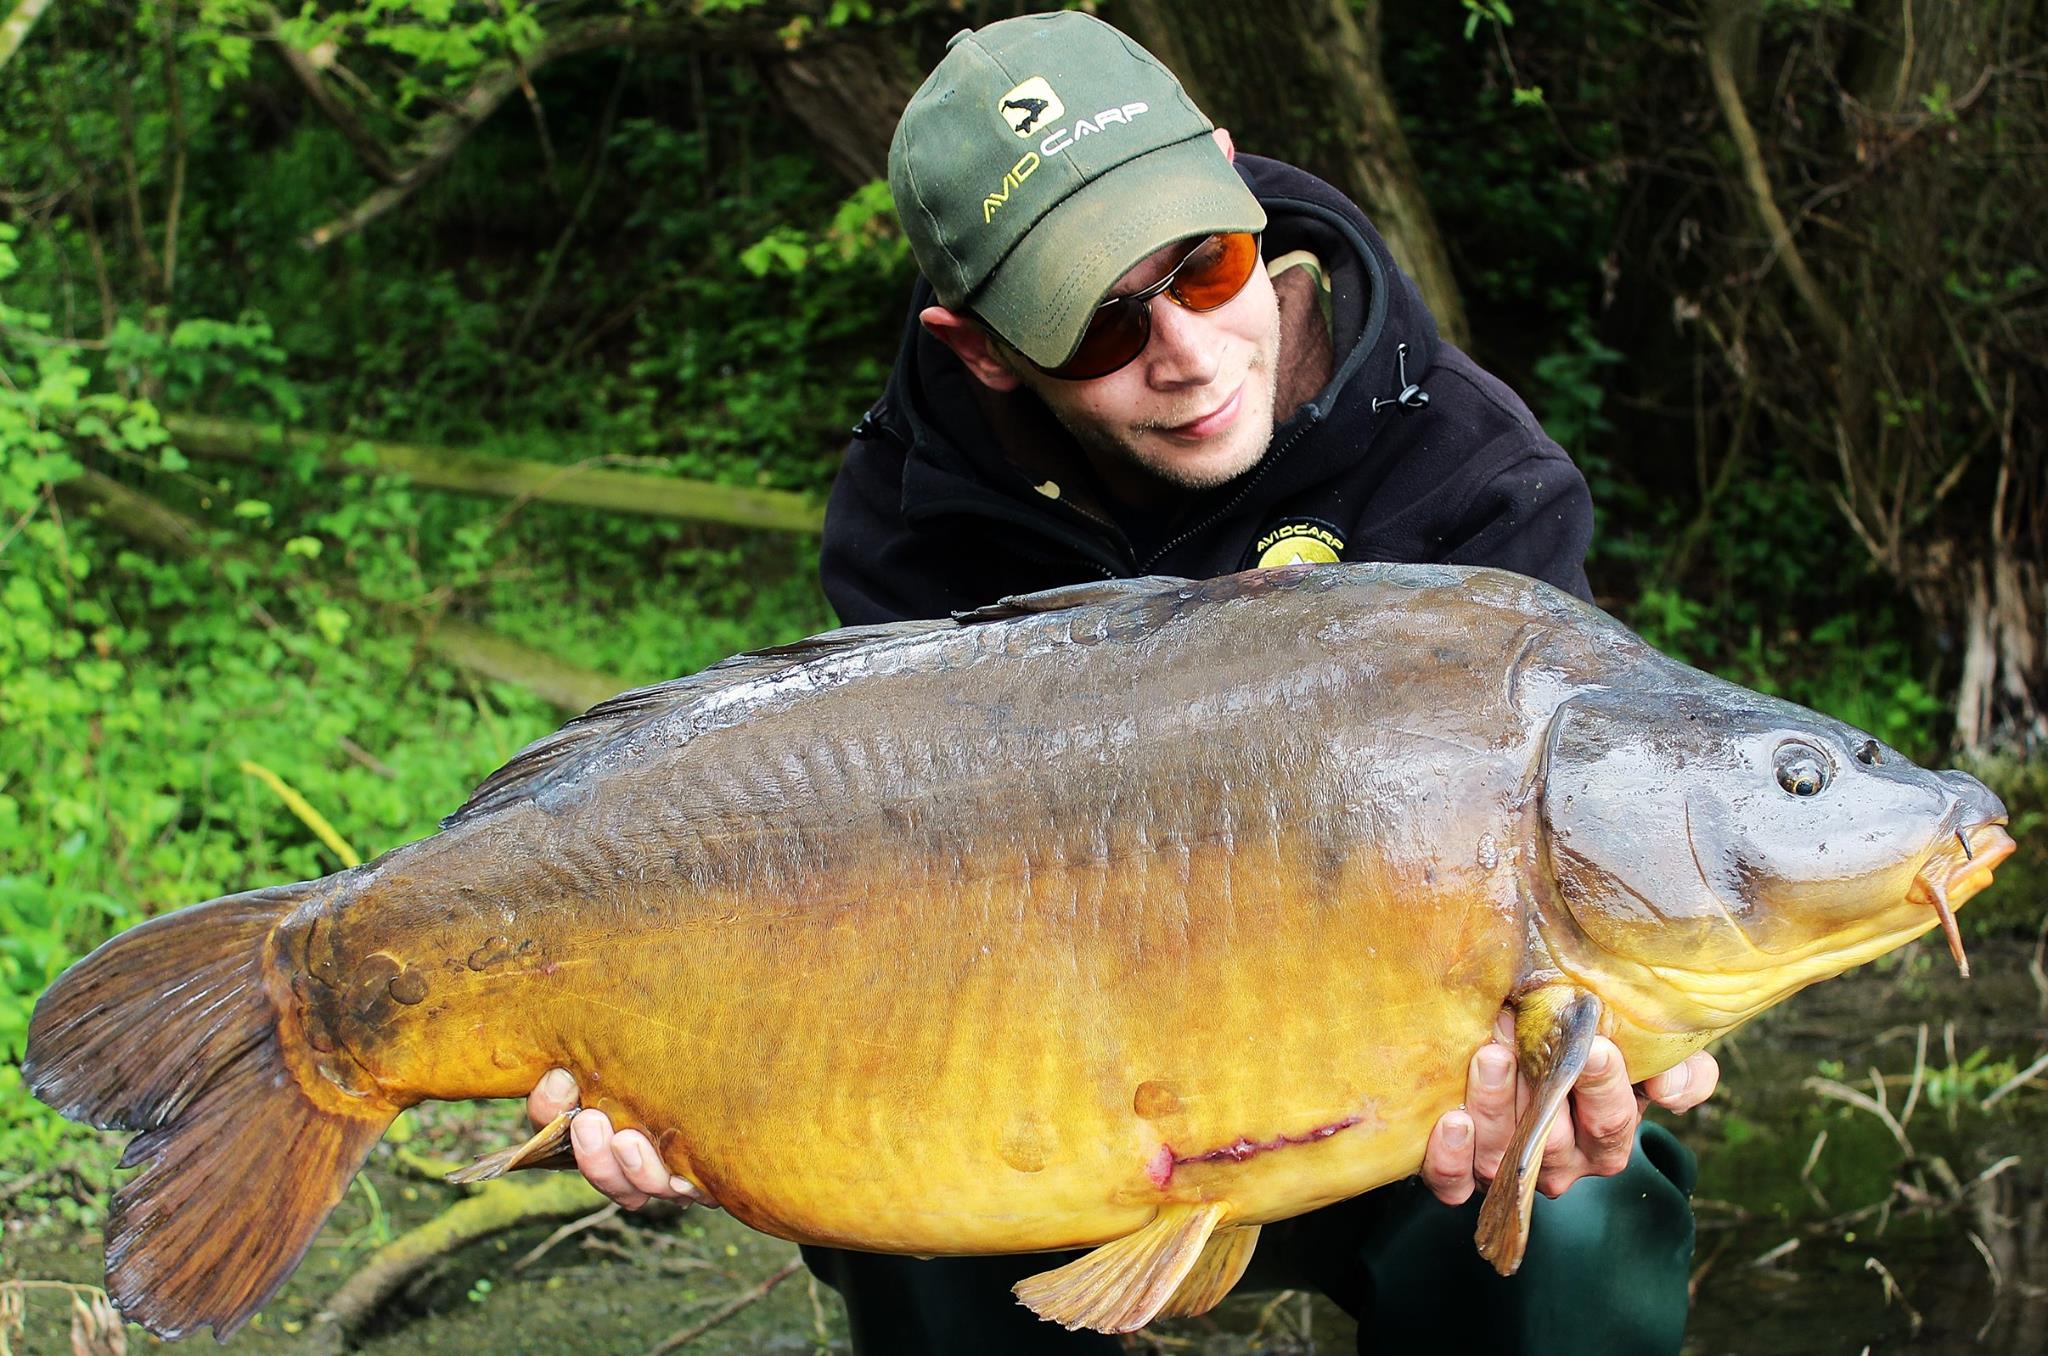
<point>586,1131</point>
<point>629,1154</point>
<point>681,1186</point>
<point>1495,1067</point>
<point>1598,1062</point>
<point>1456,1133</point>
<point>1677,1080</point>
<point>558,1086</point>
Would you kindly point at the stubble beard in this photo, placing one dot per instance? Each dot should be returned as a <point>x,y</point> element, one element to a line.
<point>1262,375</point>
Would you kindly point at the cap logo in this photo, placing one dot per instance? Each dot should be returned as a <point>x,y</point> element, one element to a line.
<point>1030,105</point>
<point>1015,178</point>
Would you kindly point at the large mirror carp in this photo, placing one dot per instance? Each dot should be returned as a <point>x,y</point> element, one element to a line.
<point>1134,915</point>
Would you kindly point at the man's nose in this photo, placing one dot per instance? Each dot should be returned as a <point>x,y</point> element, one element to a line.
<point>1186,348</point>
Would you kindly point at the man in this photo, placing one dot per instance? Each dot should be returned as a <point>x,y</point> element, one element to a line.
<point>1133,352</point>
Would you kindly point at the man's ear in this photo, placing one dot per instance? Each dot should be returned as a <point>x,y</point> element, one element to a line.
<point>972,345</point>
<point>1224,143</point>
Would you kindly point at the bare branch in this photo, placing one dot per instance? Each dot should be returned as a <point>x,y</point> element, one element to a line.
<point>375,156</point>
<point>448,468</point>
<point>1719,43</point>
<point>445,134</point>
<point>174,150</point>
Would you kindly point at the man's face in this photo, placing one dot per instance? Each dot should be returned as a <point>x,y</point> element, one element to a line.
<point>1195,409</point>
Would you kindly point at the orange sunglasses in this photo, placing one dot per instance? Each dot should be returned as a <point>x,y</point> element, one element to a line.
<point>1210,274</point>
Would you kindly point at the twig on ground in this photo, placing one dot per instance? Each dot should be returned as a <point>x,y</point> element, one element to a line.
<point>1862,1101</point>
<point>1783,1250</point>
<point>569,1230</point>
<point>1919,1075</point>
<point>2024,1076</point>
<point>1893,1292</point>
<point>1820,1142</point>
<point>751,1297</point>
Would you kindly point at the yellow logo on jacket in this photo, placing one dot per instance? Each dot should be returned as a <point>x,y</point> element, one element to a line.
<point>1298,541</point>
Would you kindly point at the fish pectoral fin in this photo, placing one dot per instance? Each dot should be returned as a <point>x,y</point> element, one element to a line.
<point>1221,1265</point>
<point>1122,1286</point>
<point>549,1148</point>
<point>1554,1030</point>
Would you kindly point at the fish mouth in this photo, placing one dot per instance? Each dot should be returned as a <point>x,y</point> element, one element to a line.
<point>1955,874</point>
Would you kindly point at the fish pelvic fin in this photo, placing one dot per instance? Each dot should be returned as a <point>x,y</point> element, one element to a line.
<point>547,1147</point>
<point>1554,1030</point>
<point>1220,1267</point>
<point>1123,1285</point>
<point>170,1029</point>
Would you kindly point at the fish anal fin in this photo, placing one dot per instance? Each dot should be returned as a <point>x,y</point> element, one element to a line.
<point>549,1147</point>
<point>1221,1266</point>
<point>1554,1030</point>
<point>1122,1285</point>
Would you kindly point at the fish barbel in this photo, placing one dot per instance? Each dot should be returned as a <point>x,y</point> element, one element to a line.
<point>1130,916</point>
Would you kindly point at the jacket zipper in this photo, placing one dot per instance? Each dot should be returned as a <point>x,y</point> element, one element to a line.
<point>1266,464</point>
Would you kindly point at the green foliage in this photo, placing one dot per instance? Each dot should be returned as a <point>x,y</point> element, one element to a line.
<point>135,682</point>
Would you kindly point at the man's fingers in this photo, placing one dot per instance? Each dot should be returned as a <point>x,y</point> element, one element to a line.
<point>555,1094</point>
<point>1686,1085</point>
<point>1447,1162</point>
<point>643,1166</point>
<point>1490,1100</point>
<point>1599,1132</point>
<point>591,1134</point>
<point>1605,1111</point>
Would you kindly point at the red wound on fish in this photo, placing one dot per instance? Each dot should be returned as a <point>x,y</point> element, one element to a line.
<point>1240,1149</point>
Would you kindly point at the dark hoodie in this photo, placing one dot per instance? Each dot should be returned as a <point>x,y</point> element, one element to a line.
<point>937,507</point>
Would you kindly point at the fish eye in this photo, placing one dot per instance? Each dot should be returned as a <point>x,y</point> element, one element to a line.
<point>1801,770</point>
<point>1868,755</point>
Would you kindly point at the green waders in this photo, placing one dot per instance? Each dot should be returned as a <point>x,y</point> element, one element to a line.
<point>1605,1275</point>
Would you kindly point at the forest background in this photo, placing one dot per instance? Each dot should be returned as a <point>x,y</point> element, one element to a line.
<point>380,383</point>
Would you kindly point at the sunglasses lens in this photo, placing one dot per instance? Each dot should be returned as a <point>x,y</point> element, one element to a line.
<point>1207,277</point>
<point>1217,271</point>
<point>1116,335</point>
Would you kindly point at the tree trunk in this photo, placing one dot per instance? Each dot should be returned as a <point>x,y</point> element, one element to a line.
<point>848,95</point>
<point>1302,79</point>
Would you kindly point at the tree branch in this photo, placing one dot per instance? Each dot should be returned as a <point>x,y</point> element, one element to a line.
<point>1719,44</point>
<point>447,468</point>
<point>445,134</point>
<point>16,25</point>
<point>375,156</point>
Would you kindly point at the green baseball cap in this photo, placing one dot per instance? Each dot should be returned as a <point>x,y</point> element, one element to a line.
<point>1042,159</point>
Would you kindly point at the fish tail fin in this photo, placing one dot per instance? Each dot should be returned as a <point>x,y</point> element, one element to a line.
<point>171,1029</point>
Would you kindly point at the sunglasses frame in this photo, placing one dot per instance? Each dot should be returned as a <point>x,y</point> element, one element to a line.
<point>1141,300</point>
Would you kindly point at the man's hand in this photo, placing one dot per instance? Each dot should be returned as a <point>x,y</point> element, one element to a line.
<point>1595,1140</point>
<point>624,1166</point>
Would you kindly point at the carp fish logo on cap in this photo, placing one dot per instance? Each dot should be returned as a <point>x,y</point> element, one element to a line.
<point>1030,106</point>
<point>1296,541</point>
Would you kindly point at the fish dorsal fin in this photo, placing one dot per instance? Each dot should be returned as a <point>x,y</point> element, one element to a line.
<point>534,765</point>
<point>1122,1286</point>
<point>1220,1267</point>
<point>1072,595</point>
